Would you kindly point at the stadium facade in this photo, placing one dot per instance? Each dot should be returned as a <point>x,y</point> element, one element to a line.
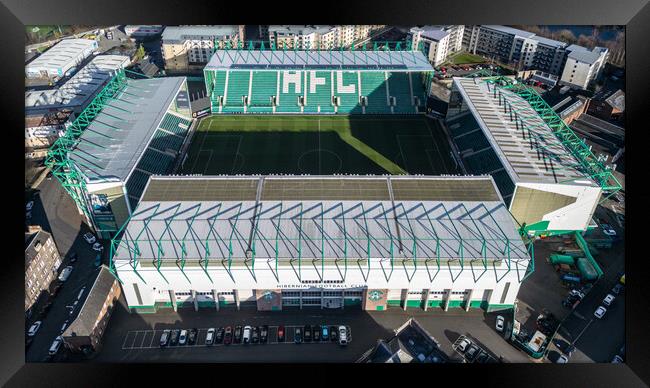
<point>133,128</point>
<point>318,82</point>
<point>548,176</point>
<point>327,241</point>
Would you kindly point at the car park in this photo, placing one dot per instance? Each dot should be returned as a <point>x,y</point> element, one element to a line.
<point>173,340</point>
<point>324,333</point>
<point>562,359</point>
<point>482,358</point>
<point>617,289</point>
<point>56,346</point>
<point>609,299</point>
<point>500,322</point>
<point>247,334</point>
<point>462,345</point>
<point>600,312</point>
<point>297,335</point>
<point>334,331</point>
<point>227,336</point>
<point>472,352</point>
<point>33,329</point>
<point>182,338</point>
<point>307,333</point>
<point>264,334</point>
<point>65,274</point>
<point>255,335</point>
<point>343,336</point>
<point>219,335</point>
<point>316,331</point>
<point>90,238</point>
<point>164,338</point>
<point>191,338</point>
<point>280,333</point>
<point>237,335</point>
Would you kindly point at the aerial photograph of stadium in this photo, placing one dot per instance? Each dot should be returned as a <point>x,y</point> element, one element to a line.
<point>325,193</point>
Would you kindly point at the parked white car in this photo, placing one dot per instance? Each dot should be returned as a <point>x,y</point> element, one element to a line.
<point>462,345</point>
<point>90,238</point>
<point>562,359</point>
<point>600,312</point>
<point>182,338</point>
<point>500,322</point>
<point>97,247</point>
<point>343,336</point>
<point>65,274</point>
<point>608,300</point>
<point>247,334</point>
<point>34,328</point>
<point>56,345</point>
<point>608,230</point>
<point>29,205</point>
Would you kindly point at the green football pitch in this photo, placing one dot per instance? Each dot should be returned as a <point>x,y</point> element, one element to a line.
<point>318,145</point>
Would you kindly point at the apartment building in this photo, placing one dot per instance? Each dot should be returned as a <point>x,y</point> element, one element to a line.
<point>42,261</point>
<point>188,48</point>
<point>438,42</point>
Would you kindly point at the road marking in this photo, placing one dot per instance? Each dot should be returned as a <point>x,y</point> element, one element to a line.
<point>583,330</point>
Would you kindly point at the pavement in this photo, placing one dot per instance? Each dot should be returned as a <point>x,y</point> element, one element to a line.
<point>56,213</point>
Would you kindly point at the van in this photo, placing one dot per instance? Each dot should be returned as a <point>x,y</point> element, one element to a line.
<point>56,345</point>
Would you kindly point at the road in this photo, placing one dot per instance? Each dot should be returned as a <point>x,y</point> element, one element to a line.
<point>55,211</point>
<point>598,340</point>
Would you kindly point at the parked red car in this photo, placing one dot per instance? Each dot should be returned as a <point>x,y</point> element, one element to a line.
<point>227,338</point>
<point>280,333</point>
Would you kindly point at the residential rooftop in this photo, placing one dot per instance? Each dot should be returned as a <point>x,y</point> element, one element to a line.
<point>81,88</point>
<point>61,53</point>
<point>509,30</point>
<point>182,33</point>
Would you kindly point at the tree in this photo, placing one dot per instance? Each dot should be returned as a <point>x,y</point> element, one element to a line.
<point>139,54</point>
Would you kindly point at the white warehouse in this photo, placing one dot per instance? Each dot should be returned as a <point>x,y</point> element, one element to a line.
<point>62,57</point>
<point>324,241</point>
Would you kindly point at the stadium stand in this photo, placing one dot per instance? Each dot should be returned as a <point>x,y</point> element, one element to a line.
<point>163,141</point>
<point>264,87</point>
<point>309,82</point>
<point>155,162</point>
<point>400,88</point>
<point>135,186</point>
<point>373,86</point>
<point>175,124</point>
<point>474,140</point>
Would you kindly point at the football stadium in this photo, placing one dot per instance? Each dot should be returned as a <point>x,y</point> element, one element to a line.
<point>320,180</point>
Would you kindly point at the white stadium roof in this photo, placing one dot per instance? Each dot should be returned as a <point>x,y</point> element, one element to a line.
<point>540,158</point>
<point>318,60</point>
<point>317,217</point>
